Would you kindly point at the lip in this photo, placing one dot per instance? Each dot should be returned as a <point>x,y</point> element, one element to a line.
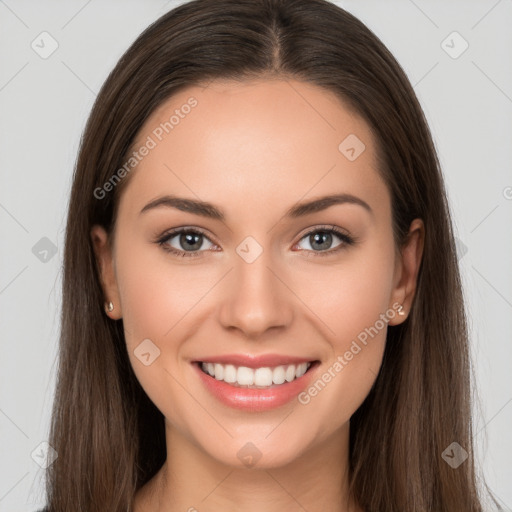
<point>255,400</point>
<point>250,361</point>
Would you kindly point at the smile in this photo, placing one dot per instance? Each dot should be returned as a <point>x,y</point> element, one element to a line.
<point>255,388</point>
<point>255,378</point>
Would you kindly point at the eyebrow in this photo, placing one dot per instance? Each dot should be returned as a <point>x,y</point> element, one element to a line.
<point>211,211</point>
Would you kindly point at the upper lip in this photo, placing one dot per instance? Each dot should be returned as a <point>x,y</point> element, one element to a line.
<point>259,361</point>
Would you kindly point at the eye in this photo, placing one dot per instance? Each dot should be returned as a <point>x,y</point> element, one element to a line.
<point>320,240</point>
<point>185,242</point>
<point>188,242</point>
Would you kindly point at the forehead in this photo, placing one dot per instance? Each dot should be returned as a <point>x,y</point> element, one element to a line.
<point>253,143</point>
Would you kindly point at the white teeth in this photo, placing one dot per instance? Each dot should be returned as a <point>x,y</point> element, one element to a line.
<point>219,371</point>
<point>278,375</point>
<point>259,377</point>
<point>263,377</point>
<point>301,370</point>
<point>245,376</point>
<point>290,373</point>
<point>229,373</point>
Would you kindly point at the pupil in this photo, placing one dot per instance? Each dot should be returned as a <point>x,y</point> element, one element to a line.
<point>187,241</point>
<point>322,238</point>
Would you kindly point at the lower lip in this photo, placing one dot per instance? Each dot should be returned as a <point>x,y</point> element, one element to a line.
<point>255,399</point>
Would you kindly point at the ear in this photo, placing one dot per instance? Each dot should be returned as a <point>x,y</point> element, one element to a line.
<point>406,271</point>
<point>105,263</point>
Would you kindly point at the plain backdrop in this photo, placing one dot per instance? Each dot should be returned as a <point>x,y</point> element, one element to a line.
<point>457,55</point>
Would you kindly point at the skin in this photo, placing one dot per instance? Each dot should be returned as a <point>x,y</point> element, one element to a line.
<point>255,149</point>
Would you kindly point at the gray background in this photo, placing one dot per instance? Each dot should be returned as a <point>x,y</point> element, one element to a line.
<point>44,103</point>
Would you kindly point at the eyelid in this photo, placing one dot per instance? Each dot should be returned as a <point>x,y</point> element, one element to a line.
<point>164,238</point>
<point>324,227</point>
<point>181,229</point>
<point>346,239</point>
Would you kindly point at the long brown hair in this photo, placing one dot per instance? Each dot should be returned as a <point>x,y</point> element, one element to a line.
<point>108,435</point>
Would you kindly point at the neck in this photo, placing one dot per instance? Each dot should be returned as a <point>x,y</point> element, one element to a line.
<point>192,480</point>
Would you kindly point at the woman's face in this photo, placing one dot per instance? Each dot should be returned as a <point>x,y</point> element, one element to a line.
<point>260,274</point>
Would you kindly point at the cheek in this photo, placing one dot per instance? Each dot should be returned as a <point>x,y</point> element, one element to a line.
<point>155,294</point>
<point>352,299</point>
<point>154,307</point>
<point>355,356</point>
<point>158,307</point>
<point>350,295</point>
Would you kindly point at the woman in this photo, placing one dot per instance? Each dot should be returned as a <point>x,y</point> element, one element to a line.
<point>262,307</point>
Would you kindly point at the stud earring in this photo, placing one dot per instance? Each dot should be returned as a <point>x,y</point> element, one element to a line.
<point>401,310</point>
<point>109,307</point>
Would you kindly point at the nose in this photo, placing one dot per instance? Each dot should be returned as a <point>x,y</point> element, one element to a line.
<point>255,298</point>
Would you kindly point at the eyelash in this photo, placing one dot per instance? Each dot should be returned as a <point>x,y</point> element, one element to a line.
<point>346,241</point>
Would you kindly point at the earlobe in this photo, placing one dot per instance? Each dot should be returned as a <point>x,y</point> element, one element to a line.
<point>105,266</point>
<point>408,269</point>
